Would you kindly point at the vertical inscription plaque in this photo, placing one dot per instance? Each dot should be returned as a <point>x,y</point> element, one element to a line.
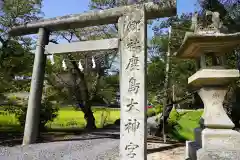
<point>133,55</point>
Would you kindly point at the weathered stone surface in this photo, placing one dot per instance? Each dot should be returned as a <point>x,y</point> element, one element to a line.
<point>109,16</point>
<point>152,124</point>
<point>35,96</point>
<point>214,115</point>
<point>218,154</point>
<point>133,54</point>
<point>195,45</point>
<point>220,139</point>
<point>212,77</point>
<point>82,46</point>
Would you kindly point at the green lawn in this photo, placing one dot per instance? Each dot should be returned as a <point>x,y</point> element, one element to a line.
<point>186,124</point>
<point>69,118</point>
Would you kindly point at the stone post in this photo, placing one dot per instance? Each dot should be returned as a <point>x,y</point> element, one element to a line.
<point>34,101</point>
<point>132,33</point>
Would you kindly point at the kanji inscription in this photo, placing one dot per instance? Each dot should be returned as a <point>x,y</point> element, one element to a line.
<point>133,43</point>
<point>132,32</point>
<point>130,148</point>
<point>133,85</point>
<point>132,105</point>
<point>216,99</point>
<point>133,25</point>
<point>132,125</point>
<point>133,63</point>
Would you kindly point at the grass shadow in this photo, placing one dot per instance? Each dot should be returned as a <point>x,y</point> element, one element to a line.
<point>160,140</point>
<point>13,135</point>
<point>164,148</point>
<point>81,138</point>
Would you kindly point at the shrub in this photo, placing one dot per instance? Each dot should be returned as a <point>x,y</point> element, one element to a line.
<point>158,108</point>
<point>174,117</point>
<point>48,111</point>
<point>154,111</point>
<point>151,112</point>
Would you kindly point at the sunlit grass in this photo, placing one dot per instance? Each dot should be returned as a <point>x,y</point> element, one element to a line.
<point>69,118</point>
<point>187,123</point>
<point>8,119</point>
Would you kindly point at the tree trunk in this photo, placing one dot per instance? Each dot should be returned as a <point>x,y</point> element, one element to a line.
<point>166,87</point>
<point>164,118</point>
<point>88,114</point>
<point>82,94</point>
<point>89,117</point>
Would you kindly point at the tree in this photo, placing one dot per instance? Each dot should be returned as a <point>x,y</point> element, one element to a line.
<point>14,51</point>
<point>87,83</point>
<point>16,59</point>
<point>155,75</point>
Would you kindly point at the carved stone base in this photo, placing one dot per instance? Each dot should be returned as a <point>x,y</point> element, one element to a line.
<point>220,139</point>
<point>218,154</point>
<point>217,144</point>
<point>214,115</point>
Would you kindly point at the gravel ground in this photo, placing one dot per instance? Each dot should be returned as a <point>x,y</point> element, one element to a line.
<point>104,148</point>
<point>171,154</point>
<point>94,146</point>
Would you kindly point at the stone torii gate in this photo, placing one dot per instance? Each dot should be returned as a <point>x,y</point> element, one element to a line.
<point>132,28</point>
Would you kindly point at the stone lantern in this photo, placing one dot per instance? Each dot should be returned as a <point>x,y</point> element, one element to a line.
<point>208,46</point>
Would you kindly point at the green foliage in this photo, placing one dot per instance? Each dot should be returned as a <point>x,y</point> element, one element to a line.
<point>174,118</point>
<point>48,111</point>
<point>14,51</point>
<point>182,124</point>
<point>154,111</point>
<point>156,74</point>
<point>158,108</point>
<point>151,112</point>
<point>180,69</point>
<point>109,87</point>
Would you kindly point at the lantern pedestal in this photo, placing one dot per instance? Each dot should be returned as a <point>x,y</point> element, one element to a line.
<point>216,127</point>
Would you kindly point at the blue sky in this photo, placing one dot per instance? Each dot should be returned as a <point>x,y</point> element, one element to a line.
<point>64,7</point>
